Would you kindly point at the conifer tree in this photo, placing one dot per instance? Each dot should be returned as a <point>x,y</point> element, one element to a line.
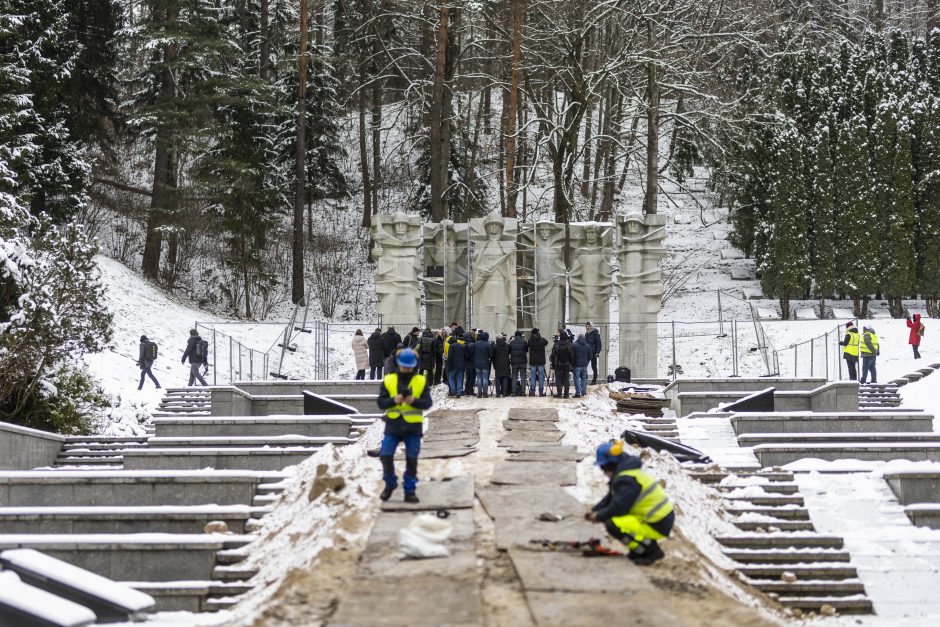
<point>928,209</point>
<point>900,260</point>
<point>824,239</point>
<point>785,268</point>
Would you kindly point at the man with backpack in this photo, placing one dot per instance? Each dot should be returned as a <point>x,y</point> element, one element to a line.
<point>518,358</point>
<point>537,345</point>
<point>562,358</point>
<point>425,350</point>
<point>197,350</point>
<point>146,356</point>
<point>593,339</point>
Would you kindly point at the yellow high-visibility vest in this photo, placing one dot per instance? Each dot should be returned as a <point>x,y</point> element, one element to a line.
<point>409,413</point>
<point>863,348</point>
<point>650,507</point>
<point>852,347</point>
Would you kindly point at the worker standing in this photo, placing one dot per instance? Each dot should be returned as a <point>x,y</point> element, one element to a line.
<point>404,396</point>
<point>849,345</point>
<point>636,510</point>
<point>869,350</point>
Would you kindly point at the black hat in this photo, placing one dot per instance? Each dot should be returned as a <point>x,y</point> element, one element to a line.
<point>415,330</point>
<point>518,333</point>
<point>143,338</point>
<point>536,331</point>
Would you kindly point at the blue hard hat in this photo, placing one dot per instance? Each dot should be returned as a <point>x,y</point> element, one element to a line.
<point>609,453</point>
<point>407,358</point>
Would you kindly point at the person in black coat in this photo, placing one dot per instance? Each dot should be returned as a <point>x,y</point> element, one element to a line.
<point>456,364</point>
<point>425,350</point>
<point>537,345</point>
<point>413,339</point>
<point>582,357</point>
<point>593,339</point>
<point>439,339</point>
<point>518,359</point>
<point>562,359</point>
<point>501,367</point>
<point>482,358</point>
<point>377,354</point>
<point>392,339</point>
<point>469,339</point>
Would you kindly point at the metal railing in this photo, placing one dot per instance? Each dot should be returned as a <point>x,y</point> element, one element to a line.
<point>230,360</point>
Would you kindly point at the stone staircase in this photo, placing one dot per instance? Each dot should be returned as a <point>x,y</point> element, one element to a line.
<point>663,427</point>
<point>194,401</point>
<point>779,551</point>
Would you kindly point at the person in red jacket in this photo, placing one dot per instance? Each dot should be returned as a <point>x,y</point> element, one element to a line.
<point>917,332</point>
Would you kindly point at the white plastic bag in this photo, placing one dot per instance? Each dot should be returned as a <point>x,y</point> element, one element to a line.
<point>423,537</point>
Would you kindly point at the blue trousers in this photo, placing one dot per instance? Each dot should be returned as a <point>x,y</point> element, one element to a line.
<point>580,380</point>
<point>375,372</point>
<point>455,381</point>
<point>868,365</point>
<point>387,455</point>
<point>536,372</point>
<point>483,381</point>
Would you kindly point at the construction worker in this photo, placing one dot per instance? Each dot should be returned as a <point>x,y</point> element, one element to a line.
<point>869,351</point>
<point>636,511</point>
<point>404,396</point>
<point>850,349</point>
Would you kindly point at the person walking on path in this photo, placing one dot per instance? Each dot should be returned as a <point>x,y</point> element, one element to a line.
<point>562,359</point>
<point>439,338</point>
<point>636,510</point>
<point>917,332</point>
<point>425,350</point>
<point>456,364</point>
<point>593,339</point>
<point>145,358</point>
<point>403,397</point>
<point>582,358</point>
<point>869,351</point>
<point>518,351</point>
<point>537,345</point>
<point>501,367</point>
<point>196,353</point>
<point>391,340</point>
<point>850,345</point>
<point>377,354</point>
<point>360,347</point>
<point>482,359</point>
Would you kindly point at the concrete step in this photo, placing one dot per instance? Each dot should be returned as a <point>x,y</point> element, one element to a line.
<point>781,525</point>
<point>778,487</point>
<point>123,520</point>
<point>822,587</point>
<point>133,557</point>
<point>277,441</point>
<point>783,513</point>
<point>122,487</point>
<point>90,458</point>
<point>781,540</point>
<point>97,439</point>
<point>230,556</point>
<point>848,422</point>
<point>215,604</point>
<point>78,448</point>
<point>187,596</point>
<point>224,458</point>
<point>787,556</point>
<point>857,604</point>
<point>752,439</point>
<point>660,427</point>
<point>256,426</point>
<point>775,500</point>
<point>713,477</point>
<point>803,572</point>
<point>270,488</point>
<point>924,514</point>
<point>235,572</point>
<point>780,454</point>
<point>264,500</point>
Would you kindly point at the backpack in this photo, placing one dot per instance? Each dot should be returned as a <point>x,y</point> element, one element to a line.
<point>202,349</point>
<point>151,351</point>
<point>622,374</point>
<point>427,346</point>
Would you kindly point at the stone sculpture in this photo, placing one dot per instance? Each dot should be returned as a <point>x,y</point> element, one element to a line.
<point>397,239</point>
<point>544,245</point>
<point>591,274</point>
<point>640,289</point>
<point>445,279</point>
<point>493,305</point>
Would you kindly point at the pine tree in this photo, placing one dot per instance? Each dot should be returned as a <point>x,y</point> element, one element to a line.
<point>785,268</point>
<point>900,271</point>
<point>824,239</point>
<point>928,209</point>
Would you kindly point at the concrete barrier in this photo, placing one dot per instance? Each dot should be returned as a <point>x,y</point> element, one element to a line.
<point>231,401</point>
<point>839,396</point>
<point>22,448</point>
<point>831,422</point>
<point>915,486</point>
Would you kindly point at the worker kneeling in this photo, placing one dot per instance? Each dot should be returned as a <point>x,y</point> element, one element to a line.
<point>636,510</point>
<point>404,396</point>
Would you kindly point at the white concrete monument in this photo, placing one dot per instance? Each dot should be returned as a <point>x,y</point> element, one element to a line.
<point>640,288</point>
<point>591,275</point>
<point>397,239</point>
<point>545,245</point>
<point>493,286</point>
<point>445,275</point>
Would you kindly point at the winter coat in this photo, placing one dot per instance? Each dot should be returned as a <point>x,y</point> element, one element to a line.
<point>190,351</point>
<point>518,348</point>
<point>562,354</point>
<point>390,365</point>
<point>482,352</point>
<point>438,348</point>
<point>391,340</point>
<point>456,355</point>
<point>582,353</point>
<point>914,326</point>
<point>593,339</point>
<point>143,360</point>
<point>360,347</point>
<point>412,341</point>
<point>399,426</point>
<point>537,345</point>
<point>624,491</point>
<point>425,350</point>
<point>501,358</point>
<point>377,352</point>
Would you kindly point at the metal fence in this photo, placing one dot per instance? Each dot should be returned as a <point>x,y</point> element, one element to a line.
<point>231,360</point>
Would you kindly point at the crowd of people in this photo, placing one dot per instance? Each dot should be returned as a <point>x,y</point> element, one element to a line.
<point>866,346</point>
<point>472,363</point>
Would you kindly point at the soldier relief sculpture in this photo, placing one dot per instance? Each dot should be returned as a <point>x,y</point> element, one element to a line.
<point>494,273</point>
<point>397,239</point>
<point>591,273</point>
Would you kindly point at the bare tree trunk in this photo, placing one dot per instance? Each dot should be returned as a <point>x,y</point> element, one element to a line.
<point>586,155</point>
<point>364,155</point>
<point>246,279</point>
<point>517,11</point>
<point>377,96</point>
<point>297,266</point>
<point>652,129</point>
<point>162,170</point>
<point>603,129</point>
<point>610,170</point>
<point>438,167</point>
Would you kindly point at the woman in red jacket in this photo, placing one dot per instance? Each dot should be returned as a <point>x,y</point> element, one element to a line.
<point>917,332</point>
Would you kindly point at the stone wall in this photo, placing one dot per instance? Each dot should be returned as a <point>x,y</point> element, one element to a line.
<point>24,449</point>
